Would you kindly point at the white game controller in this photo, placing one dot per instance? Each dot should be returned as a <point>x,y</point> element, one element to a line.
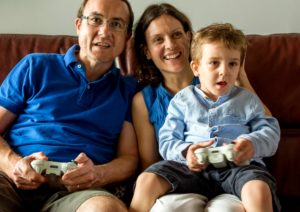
<point>217,156</point>
<point>50,167</point>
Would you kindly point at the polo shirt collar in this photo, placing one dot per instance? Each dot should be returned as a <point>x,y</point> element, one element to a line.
<point>70,58</point>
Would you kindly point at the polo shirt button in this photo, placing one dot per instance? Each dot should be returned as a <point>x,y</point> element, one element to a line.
<point>205,97</point>
<point>213,107</point>
<point>88,87</point>
<point>79,66</point>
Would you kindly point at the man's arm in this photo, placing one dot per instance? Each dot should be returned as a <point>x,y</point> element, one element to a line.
<point>16,167</point>
<point>126,163</point>
<point>8,158</point>
<point>120,169</point>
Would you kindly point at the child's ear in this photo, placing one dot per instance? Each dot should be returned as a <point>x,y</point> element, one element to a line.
<point>195,68</point>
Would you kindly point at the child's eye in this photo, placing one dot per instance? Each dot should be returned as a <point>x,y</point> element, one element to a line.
<point>233,64</point>
<point>214,63</point>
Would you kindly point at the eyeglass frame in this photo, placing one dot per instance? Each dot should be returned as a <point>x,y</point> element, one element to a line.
<point>104,21</point>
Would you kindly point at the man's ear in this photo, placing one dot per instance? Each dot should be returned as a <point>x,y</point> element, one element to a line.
<point>195,68</point>
<point>78,24</point>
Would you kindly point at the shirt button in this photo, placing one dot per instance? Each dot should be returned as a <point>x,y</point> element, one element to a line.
<point>88,87</point>
<point>205,97</point>
<point>213,107</point>
<point>79,66</point>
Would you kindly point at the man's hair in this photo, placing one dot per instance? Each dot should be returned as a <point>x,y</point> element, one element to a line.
<point>146,71</point>
<point>131,16</point>
<point>224,34</point>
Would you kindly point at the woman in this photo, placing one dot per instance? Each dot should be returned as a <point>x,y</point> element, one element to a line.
<point>162,43</point>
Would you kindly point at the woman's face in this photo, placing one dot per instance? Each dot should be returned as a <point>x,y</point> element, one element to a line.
<point>167,44</point>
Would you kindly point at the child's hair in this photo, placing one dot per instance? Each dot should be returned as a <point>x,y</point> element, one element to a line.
<point>225,34</point>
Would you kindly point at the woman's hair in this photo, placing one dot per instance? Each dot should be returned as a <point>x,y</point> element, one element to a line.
<point>146,71</point>
<point>224,34</point>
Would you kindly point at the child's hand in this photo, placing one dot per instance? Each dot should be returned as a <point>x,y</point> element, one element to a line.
<point>245,150</point>
<point>191,157</point>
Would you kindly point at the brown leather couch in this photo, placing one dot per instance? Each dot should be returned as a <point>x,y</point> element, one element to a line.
<point>273,68</point>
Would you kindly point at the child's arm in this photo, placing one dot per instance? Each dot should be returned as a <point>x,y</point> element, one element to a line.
<point>172,145</point>
<point>171,135</point>
<point>264,137</point>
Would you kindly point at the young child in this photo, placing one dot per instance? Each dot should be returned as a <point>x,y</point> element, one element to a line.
<point>213,114</point>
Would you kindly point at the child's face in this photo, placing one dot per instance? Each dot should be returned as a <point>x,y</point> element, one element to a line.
<point>217,69</point>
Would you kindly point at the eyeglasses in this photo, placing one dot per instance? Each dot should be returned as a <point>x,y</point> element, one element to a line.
<point>99,21</point>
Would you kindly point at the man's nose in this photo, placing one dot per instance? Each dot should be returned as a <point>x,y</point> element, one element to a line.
<point>104,28</point>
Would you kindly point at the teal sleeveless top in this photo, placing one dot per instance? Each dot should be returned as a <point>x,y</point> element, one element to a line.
<point>157,101</point>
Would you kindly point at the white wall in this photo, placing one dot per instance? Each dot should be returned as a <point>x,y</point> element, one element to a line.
<point>58,16</point>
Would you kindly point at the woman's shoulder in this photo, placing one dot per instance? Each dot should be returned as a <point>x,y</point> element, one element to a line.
<point>149,94</point>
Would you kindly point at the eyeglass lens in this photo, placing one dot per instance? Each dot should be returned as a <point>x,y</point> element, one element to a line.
<point>116,25</point>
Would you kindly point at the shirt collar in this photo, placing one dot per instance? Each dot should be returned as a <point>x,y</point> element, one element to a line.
<point>71,58</point>
<point>221,98</point>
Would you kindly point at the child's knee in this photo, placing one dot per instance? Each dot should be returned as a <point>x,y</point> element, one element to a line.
<point>148,180</point>
<point>258,188</point>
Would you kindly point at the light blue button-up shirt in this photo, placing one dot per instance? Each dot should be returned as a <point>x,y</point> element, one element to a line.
<point>193,118</point>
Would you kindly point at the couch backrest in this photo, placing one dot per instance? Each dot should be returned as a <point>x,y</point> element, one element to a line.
<point>13,47</point>
<point>273,68</point>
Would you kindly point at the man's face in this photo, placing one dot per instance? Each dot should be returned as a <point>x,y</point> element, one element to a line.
<point>101,44</point>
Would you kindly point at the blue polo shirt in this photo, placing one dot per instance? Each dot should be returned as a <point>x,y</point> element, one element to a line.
<point>63,114</point>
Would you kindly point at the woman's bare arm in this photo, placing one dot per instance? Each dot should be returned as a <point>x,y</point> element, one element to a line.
<point>243,81</point>
<point>147,143</point>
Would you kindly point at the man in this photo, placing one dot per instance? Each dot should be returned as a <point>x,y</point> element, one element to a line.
<point>72,106</point>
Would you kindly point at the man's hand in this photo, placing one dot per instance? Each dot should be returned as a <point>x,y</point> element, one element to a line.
<point>82,177</point>
<point>24,176</point>
<point>191,157</point>
<point>245,150</point>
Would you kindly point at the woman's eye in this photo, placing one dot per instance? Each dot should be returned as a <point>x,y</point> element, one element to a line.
<point>177,34</point>
<point>156,40</point>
